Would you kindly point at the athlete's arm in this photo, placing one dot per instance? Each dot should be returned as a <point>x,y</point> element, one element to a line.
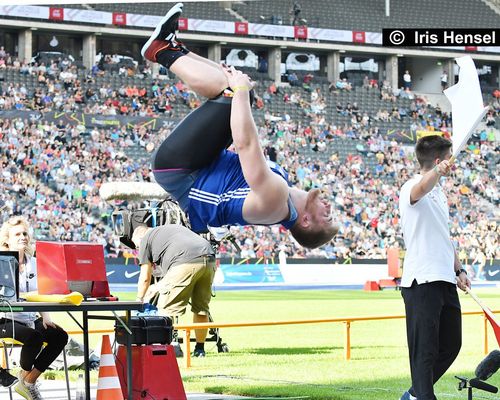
<point>429,180</point>
<point>144,280</point>
<point>270,192</point>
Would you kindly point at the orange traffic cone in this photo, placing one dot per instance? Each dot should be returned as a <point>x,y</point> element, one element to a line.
<point>108,386</point>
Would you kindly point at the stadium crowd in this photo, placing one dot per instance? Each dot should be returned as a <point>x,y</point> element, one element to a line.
<point>52,172</point>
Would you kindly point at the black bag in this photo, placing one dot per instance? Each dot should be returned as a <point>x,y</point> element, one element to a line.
<point>146,330</point>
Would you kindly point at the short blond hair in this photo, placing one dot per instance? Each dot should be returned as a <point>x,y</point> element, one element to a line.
<point>5,232</point>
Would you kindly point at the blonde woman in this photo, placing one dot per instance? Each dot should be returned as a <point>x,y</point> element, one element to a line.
<point>30,328</point>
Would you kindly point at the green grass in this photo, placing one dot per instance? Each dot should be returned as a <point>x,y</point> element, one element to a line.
<point>308,360</point>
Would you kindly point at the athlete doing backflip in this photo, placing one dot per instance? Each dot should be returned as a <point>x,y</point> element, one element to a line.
<point>214,186</point>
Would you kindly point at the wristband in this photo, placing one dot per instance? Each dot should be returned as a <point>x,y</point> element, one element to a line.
<point>238,88</point>
<point>459,271</point>
<point>436,170</point>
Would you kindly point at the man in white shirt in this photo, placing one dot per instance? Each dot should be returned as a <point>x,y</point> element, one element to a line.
<point>431,271</point>
<point>444,80</point>
<point>407,80</point>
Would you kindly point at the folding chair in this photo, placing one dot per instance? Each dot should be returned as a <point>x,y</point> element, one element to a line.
<point>4,342</point>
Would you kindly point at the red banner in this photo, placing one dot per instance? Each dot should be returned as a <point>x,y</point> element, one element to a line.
<point>300,32</point>
<point>358,37</point>
<point>183,24</point>
<point>241,28</point>
<point>119,18</point>
<point>470,48</point>
<point>56,14</point>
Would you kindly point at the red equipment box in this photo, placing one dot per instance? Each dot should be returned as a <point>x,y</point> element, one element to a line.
<point>155,372</point>
<point>63,267</point>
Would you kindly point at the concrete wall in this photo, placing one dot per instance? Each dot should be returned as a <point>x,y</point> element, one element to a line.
<point>426,75</point>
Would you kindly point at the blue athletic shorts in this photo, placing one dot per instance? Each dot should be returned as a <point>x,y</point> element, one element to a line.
<point>177,182</point>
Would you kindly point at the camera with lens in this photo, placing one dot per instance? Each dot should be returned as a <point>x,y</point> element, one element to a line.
<point>125,221</point>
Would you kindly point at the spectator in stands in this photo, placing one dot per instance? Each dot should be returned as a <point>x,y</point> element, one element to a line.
<point>343,84</point>
<point>490,119</point>
<point>263,196</point>
<point>444,80</point>
<point>433,314</point>
<point>96,71</point>
<point>307,81</point>
<point>273,89</point>
<point>478,263</point>
<point>339,108</point>
<point>407,80</point>
<point>295,13</point>
<point>27,327</point>
<point>262,68</point>
<point>293,79</point>
<point>183,266</point>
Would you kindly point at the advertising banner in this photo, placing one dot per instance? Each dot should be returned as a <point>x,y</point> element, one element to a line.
<point>251,273</point>
<point>311,273</point>
<point>96,17</point>
<point>56,13</point>
<point>300,32</point>
<point>241,28</point>
<point>358,37</point>
<point>92,120</point>
<point>119,18</point>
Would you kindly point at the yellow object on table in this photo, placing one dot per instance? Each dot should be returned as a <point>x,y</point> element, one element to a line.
<point>74,298</point>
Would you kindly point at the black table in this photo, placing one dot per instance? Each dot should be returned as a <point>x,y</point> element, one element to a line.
<point>85,308</point>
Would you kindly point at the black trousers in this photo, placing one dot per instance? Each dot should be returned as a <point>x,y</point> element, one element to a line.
<point>33,339</point>
<point>198,139</point>
<point>434,333</point>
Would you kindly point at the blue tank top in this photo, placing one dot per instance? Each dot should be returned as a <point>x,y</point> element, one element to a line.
<point>219,191</point>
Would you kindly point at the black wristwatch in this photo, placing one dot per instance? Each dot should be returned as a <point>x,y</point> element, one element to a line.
<point>459,271</point>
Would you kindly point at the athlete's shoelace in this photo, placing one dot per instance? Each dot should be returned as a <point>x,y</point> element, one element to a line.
<point>34,391</point>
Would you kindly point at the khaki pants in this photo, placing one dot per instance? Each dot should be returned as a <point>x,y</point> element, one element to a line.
<point>184,282</point>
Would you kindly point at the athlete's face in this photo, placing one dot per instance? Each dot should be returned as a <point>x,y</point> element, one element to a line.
<point>320,208</point>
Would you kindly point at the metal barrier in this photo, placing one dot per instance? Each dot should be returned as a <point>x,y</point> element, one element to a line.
<point>187,328</point>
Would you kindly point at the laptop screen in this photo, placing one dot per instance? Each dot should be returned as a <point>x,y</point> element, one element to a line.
<point>9,275</point>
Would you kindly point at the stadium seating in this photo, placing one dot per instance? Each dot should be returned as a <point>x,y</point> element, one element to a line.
<point>362,166</point>
<point>356,15</point>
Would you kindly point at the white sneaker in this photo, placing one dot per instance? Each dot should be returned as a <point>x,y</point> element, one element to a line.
<point>30,391</point>
<point>34,390</point>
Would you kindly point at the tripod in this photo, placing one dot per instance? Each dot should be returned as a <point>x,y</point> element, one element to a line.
<point>476,383</point>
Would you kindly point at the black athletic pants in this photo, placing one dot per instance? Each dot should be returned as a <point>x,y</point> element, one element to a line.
<point>434,332</point>
<point>198,139</point>
<point>33,339</point>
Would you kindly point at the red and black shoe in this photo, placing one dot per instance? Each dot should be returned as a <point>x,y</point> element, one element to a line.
<point>156,47</point>
<point>164,34</point>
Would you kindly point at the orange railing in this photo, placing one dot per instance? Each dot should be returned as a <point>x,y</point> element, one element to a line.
<point>187,328</point>
<point>346,320</point>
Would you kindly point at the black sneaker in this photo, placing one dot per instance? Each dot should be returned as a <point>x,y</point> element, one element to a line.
<point>165,30</point>
<point>7,380</point>
<point>199,353</point>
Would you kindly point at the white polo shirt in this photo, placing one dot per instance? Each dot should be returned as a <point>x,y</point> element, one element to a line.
<point>430,255</point>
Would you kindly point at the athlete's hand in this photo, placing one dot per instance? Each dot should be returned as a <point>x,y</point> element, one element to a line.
<point>463,282</point>
<point>443,168</point>
<point>237,78</point>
